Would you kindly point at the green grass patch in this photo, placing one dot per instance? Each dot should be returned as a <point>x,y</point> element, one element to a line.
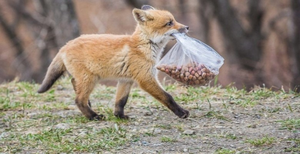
<point>103,95</point>
<point>59,140</point>
<point>254,97</point>
<point>295,146</point>
<point>10,102</point>
<point>261,142</point>
<point>136,94</point>
<point>290,124</point>
<point>225,151</point>
<point>109,115</point>
<point>231,136</point>
<point>262,93</point>
<point>106,93</point>
<point>6,104</point>
<point>78,119</point>
<point>215,114</point>
<point>246,102</point>
<point>170,87</point>
<point>50,96</point>
<point>167,139</point>
<point>163,126</point>
<point>185,98</point>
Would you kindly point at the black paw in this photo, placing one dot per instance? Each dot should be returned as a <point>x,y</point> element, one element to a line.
<point>99,117</point>
<point>122,116</point>
<point>183,114</point>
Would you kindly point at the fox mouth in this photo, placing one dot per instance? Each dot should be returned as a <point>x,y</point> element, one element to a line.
<point>172,34</point>
<point>182,32</point>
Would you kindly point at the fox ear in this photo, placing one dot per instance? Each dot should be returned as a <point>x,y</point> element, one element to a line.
<point>147,7</point>
<point>141,15</point>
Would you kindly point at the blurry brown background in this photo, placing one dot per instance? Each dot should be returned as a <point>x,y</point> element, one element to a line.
<point>259,39</point>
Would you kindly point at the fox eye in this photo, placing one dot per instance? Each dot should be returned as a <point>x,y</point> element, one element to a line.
<point>170,23</point>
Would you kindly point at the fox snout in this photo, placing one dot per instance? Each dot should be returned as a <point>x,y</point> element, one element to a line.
<point>184,29</point>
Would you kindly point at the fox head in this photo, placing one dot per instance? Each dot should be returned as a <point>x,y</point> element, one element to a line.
<point>157,25</point>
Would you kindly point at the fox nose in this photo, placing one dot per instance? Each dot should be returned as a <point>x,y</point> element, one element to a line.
<point>184,29</point>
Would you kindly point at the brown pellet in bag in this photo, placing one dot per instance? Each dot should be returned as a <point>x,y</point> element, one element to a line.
<point>190,74</point>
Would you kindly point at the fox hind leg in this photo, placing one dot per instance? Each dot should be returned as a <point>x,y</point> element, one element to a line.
<point>74,87</point>
<point>83,90</point>
<point>123,89</point>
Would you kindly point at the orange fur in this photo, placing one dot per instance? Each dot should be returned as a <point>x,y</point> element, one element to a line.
<point>127,58</point>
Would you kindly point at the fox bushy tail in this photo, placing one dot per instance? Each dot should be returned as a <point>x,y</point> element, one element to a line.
<point>55,70</point>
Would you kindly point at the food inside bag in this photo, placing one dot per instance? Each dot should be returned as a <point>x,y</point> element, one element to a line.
<point>191,61</point>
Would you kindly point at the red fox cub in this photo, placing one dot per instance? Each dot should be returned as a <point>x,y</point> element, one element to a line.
<point>127,58</point>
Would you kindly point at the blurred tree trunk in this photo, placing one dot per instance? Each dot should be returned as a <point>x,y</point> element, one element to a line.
<point>20,64</point>
<point>137,3</point>
<point>242,44</point>
<point>205,15</point>
<point>64,20</point>
<point>245,43</point>
<point>183,10</point>
<point>53,24</point>
<point>295,45</point>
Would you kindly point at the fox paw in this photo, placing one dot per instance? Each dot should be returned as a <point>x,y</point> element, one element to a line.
<point>183,114</point>
<point>122,116</point>
<point>99,117</point>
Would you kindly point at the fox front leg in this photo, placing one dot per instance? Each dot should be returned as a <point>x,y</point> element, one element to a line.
<point>152,87</point>
<point>123,89</point>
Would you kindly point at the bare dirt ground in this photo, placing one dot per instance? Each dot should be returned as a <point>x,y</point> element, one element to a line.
<point>223,120</point>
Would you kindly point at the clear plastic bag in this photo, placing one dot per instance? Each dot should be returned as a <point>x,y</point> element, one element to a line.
<point>191,61</point>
